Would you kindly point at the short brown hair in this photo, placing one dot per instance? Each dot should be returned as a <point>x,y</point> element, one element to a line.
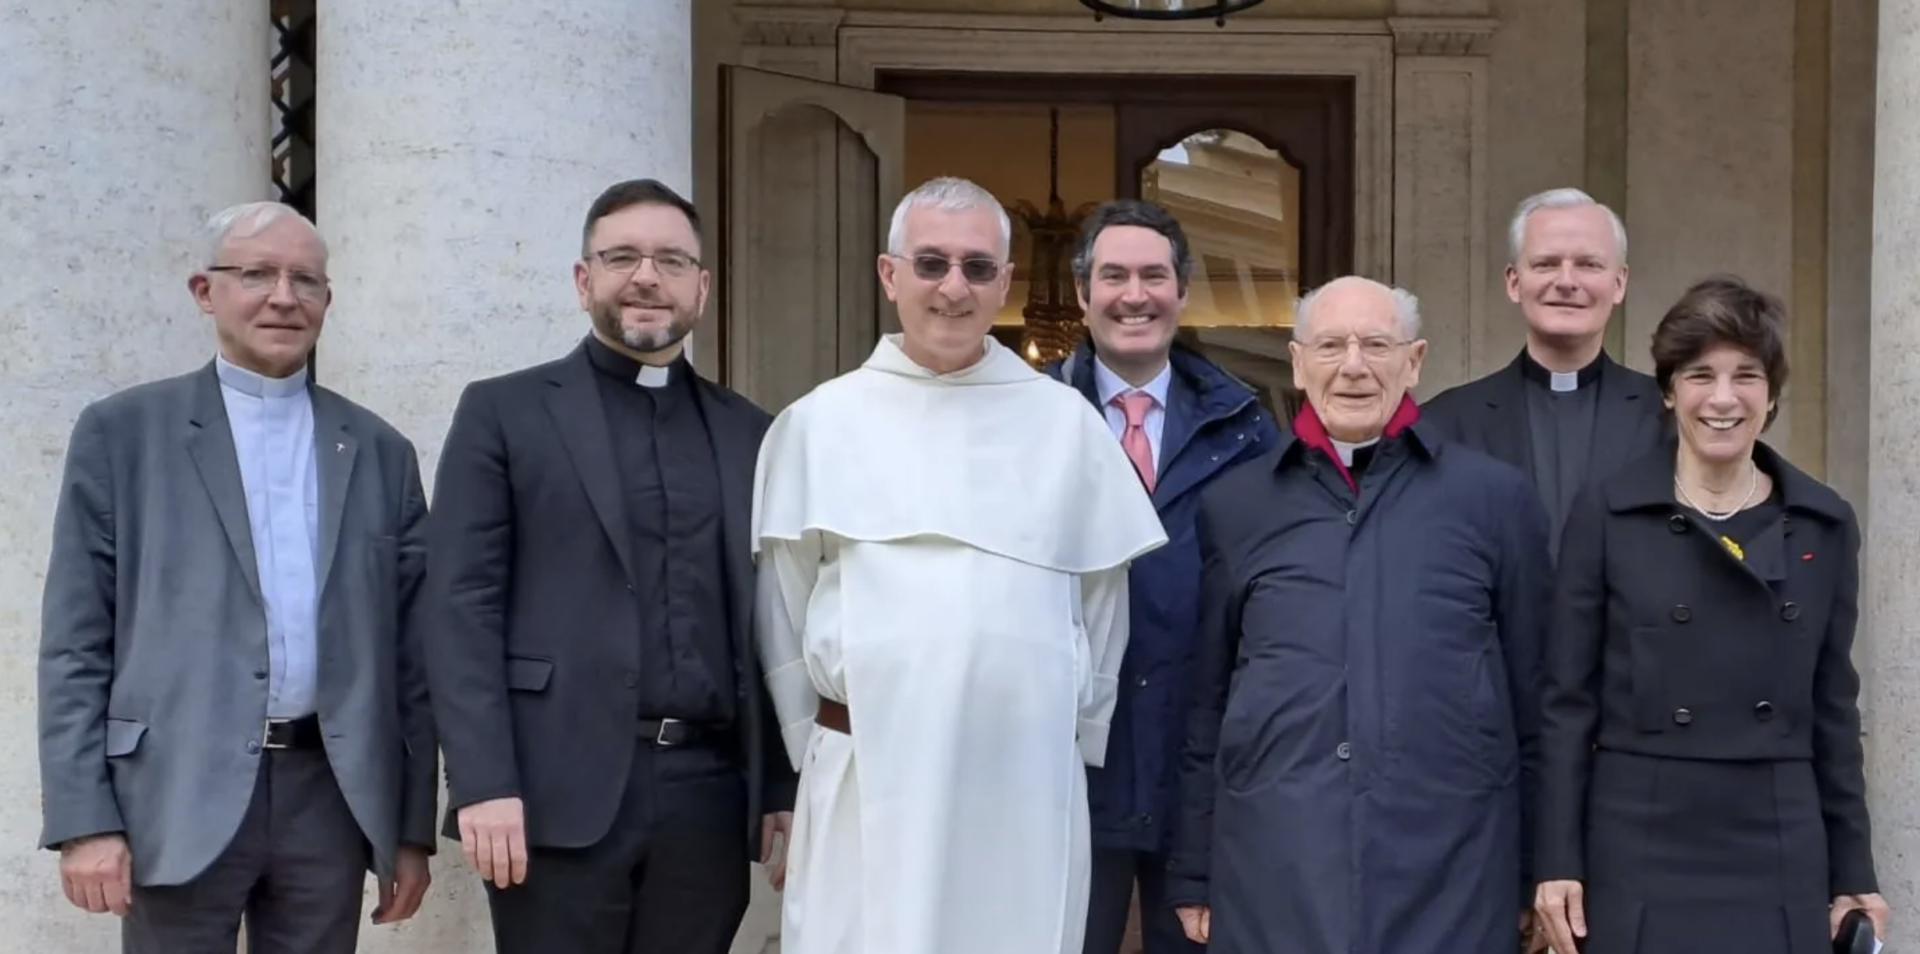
<point>1723,310</point>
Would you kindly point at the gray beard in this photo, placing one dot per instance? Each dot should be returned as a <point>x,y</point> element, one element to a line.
<point>608,321</point>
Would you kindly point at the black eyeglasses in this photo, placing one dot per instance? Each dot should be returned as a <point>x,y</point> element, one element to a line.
<point>933,268</point>
<point>670,263</point>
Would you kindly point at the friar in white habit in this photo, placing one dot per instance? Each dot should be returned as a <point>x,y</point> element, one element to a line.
<point>943,537</point>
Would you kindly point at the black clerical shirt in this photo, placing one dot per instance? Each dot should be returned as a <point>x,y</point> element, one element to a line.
<point>1360,458</point>
<point>1560,415</point>
<point>670,486</point>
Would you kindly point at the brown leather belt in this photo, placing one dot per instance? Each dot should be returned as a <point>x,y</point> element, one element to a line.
<point>833,715</point>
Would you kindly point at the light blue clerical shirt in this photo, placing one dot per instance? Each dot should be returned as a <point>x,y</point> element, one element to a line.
<point>1109,385</point>
<point>272,422</point>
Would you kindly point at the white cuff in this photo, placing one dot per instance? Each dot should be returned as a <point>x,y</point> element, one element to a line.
<point>794,702</point>
<point>1093,742</point>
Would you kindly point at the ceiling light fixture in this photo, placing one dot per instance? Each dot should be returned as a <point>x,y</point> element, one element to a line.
<point>1217,11</point>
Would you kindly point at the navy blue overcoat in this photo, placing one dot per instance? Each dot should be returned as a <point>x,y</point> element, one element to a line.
<point>1364,724</point>
<point>1214,422</point>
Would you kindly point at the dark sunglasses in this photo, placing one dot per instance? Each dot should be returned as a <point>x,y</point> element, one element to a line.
<point>933,268</point>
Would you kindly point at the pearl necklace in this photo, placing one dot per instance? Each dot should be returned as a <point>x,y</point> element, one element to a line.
<point>1753,485</point>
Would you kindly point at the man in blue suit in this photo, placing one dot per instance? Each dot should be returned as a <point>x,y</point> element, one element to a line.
<point>1183,421</point>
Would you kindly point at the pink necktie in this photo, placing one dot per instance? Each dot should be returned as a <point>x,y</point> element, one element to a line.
<point>1133,439</point>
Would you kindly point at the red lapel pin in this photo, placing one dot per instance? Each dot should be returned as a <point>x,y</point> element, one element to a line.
<point>1806,557</point>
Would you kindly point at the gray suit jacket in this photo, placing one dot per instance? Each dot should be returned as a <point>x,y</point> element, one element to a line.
<point>153,652</point>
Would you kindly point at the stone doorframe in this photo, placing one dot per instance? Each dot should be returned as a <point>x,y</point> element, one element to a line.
<point>1018,45</point>
<point>1420,115</point>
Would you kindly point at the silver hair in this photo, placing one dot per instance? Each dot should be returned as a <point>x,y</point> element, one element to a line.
<point>248,219</point>
<point>948,194</point>
<point>1406,309</point>
<point>1560,199</point>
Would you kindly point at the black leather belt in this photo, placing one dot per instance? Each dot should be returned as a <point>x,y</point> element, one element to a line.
<point>672,733</point>
<point>301,733</point>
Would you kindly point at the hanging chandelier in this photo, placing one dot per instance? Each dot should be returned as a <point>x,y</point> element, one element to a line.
<point>1217,10</point>
<point>1051,329</point>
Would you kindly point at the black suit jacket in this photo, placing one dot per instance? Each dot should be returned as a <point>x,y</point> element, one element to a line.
<point>1665,644</point>
<point>534,655</point>
<point>1489,414</point>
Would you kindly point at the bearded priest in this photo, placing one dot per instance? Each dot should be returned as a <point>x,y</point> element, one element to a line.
<point>943,537</point>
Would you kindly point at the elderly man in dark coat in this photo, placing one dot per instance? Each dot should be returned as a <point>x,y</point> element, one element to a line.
<point>1363,735</point>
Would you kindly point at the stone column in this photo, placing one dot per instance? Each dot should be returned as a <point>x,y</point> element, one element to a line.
<point>123,127</point>
<point>1440,151</point>
<point>1890,636</point>
<point>1849,304</point>
<point>456,154</point>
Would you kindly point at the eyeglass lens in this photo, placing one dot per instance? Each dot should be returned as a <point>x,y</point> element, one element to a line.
<point>976,271</point>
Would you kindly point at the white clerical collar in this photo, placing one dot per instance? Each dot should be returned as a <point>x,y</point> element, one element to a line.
<point>654,375</point>
<point>257,384</point>
<point>1561,382</point>
<point>1346,449</point>
<point>1108,384</point>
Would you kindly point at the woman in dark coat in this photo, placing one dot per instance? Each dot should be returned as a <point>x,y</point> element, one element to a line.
<point>1702,786</point>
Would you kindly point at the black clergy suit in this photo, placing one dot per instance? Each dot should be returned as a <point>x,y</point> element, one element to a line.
<point>592,653</point>
<point>1560,434</point>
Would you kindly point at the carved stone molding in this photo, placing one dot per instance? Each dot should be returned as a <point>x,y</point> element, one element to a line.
<point>788,26</point>
<point>1442,36</point>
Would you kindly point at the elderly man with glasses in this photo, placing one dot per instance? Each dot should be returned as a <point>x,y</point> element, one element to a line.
<point>233,708</point>
<point>1363,732</point>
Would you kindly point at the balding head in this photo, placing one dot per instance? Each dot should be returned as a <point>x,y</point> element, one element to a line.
<point>1356,353</point>
<point>1405,307</point>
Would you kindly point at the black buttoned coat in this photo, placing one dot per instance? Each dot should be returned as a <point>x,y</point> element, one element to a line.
<point>1678,663</point>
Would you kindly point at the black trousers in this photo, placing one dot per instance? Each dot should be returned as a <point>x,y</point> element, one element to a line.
<point>294,871</point>
<point>1115,873</point>
<point>670,877</point>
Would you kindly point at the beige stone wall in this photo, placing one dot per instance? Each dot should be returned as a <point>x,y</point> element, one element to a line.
<point>1536,121</point>
<point>1851,97</point>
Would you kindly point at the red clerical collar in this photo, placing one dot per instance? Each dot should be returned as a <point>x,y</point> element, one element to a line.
<point>1308,427</point>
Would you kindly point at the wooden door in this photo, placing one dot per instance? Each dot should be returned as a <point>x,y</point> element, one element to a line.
<point>811,172</point>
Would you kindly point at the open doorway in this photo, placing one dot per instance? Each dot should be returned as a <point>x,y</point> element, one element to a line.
<point>1259,170</point>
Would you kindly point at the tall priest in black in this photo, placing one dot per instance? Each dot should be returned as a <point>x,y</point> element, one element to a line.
<point>1562,411</point>
<point>612,759</point>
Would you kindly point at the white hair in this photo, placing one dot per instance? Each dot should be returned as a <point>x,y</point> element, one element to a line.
<point>1560,199</point>
<point>248,219</point>
<point>948,194</point>
<point>1406,309</point>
